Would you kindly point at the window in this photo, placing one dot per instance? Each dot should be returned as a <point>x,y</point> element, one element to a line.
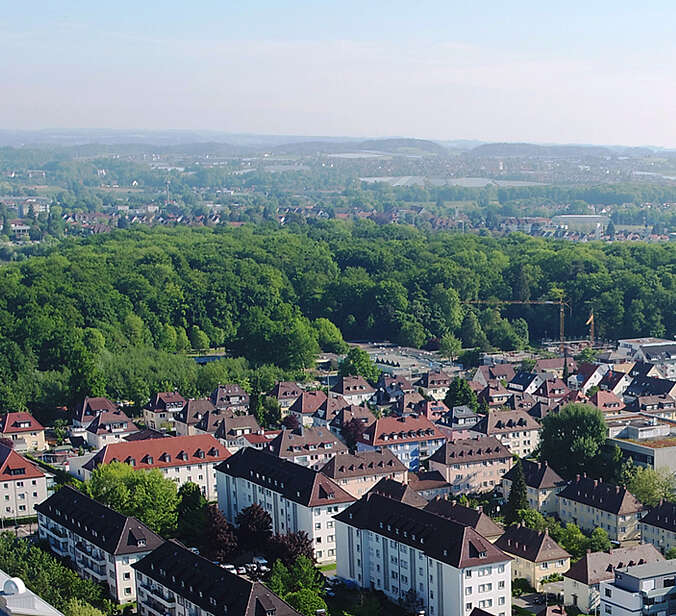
<point>608,593</point>
<point>468,591</point>
<point>468,606</point>
<point>127,575</point>
<point>501,600</point>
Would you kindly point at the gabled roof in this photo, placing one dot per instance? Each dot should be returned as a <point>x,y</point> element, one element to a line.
<point>113,532</point>
<point>286,390</point>
<point>605,496</point>
<point>106,420</point>
<point>161,400</point>
<point>596,567</point>
<point>331,407</point>
<point>529,544</point>
<point>14,467</point>
<point>446,541</point>
<point>554,389</point>
<point>223,394</point>
<point>435,379</point>
<point>555,364</point>
<point>523,379</point>
<point>428,480</point>
<point>230,424</point>
<point>398,491</point>
<point>351,412</point>
<point>538,475</point>
<point>210,421</point>
<point>475,449</point>
<point>162,452</point>
<point>500,422</point>
<point>393,430</point>
<point>92,407</point>
<point>662,516</point>
<point>352,385</point>
<point>15,423</point>
<point>363,464</point>
<point>295,482</point>
<point>302,441</point>
<point>606,400</point>
<point>475,518</point>
<point>208,585</point>
<point>308,402</point>
<point>193,410</point>
<point>144,435</point>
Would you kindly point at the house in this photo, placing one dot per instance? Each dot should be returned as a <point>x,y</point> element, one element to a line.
<point>649,386</point>
<point>435,384</point>
<point>296,497</point>
<point>642,589</point>
<point>312,447</point>
<point>588,376</point>
<point>615,382</point>
<point>591,502</point>
<point>286,393</point>
<point>606,401</point>
<point>581,582</point>
<point>306,406</point>
<point>190,415</point>
<point>392,387</point>
<point>347,414</point>
<point>328,409</point>
<point>516,430</point>
<point>472,465</point>
<point>497,372</point>
<point>525,382</point>
<point>108,427</point>
<point>494,395</point>
<point>658,526</point>
<point>411,438</point>
<point>160,411</point>
<point>430,484</point>
<point>434,410</point>
<point>89,409</point>
<point>536,555</point>
<point>543,484</point>
<point>22,485</point>
<point>101,543</point>
<point>407,403</point>
<point>358,473</point>
<point>662,405</point>
<point>179,458</point>
<point>554,367</point>
<point>230,396</point>
<point>24,430</point>
<point>519,401</point>
<point>428,562</point>
<point>17,600</point>
<point>174,581</point>
<point>460,418</point>
<point>474,518</point>
<point>232,430</point>
<point>355,389</point>
<point>551,390</point>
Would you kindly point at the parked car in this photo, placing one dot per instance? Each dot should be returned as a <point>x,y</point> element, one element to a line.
<point>241,571</point>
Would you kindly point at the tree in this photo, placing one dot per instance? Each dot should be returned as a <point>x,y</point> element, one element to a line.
<point>271,412</point>
<point>145,495</point>
<point>651,486</point>
<point>198,339</point>
<point>571,440</point>
<point>290,422</point>
<point>573,541</point>
<point>329,337</point>
<point>352,431</point>
<point>280,581</point>
<point>670,554</point>
<point>221,536</point>
<point>518,494</point>
<point>192,513</point>
<point>450,346</point>
<point>306,601</point>
<point>586,355</point>
<point>598,541</point>
<point>254,527</point>
<point>358,363</point>
<point>471,333</point>
<point>288,548</point>
<point>77,607</point>
<point>460,394</point>
<point>610,229</point>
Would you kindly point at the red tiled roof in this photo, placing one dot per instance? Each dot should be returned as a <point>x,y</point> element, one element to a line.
<point>409,428</point>
<point>11,464</point>
<point>12,423</point>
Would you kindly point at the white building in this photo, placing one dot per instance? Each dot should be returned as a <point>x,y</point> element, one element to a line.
<point>22,485</point>
<point>101,543</point>
<point>17,600</point>
<point>296,497</point>
<point>430,563</point>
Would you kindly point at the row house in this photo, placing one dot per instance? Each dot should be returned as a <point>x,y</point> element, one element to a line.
<point>296,497</point>
<point>23,485</point>
<point>101,543</point>
<point>516,430</point>
<point>180,458</point>
<point>411,438</point>
<point>472,465</point>
<point>589,503</point>
<point>658,526</point>
<point>25,432</point>
<point>311,447</point>
<point>543,484</point>
<point>355,389</point>
<point>159,413</point>
<point>422,560</point>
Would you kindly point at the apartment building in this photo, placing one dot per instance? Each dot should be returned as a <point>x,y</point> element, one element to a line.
<point>101,543</point>
<point>180,458</point>
<point>306,405</point>
<point>472,465</point>
<point>286,393</point>
<point>160,412</point>
<point>467,516</point>
<point>354,389</point>
<point>173,581</point>
<point>296,497</point>
<point>358,473</point>
<point>108,427</point>
<point>658,526</point>
<point>22,485</point>
<point>230,396</point>
<point>424,561</point>
<point>312,447</point>
<point>543,484</point>
<point>590,503</point>
<point>24,431</point>
<point>516,430</point>
<point>189,416</point>
<point>536,555</point>
<point>435,384</point>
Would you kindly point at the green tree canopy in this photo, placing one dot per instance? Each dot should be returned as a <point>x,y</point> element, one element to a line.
<point>461,394</point>
<point>358,363</point>
<point>518,494</point>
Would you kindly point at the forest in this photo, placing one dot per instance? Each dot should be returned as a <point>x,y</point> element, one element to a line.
<point>115,313</point>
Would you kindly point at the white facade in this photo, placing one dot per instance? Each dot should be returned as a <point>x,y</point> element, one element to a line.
<point>19,496</point>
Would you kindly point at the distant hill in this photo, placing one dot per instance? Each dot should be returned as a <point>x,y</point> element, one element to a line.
<point>531,149</point>
<point>398,145</point>
<point>403,146</point>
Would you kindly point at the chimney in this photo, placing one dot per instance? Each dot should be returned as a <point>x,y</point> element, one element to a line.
<point>480,508</point>
<point>577,477</point>
<point>596,482</point>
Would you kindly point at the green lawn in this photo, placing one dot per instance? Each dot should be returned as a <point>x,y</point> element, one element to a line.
<point>361,603</point>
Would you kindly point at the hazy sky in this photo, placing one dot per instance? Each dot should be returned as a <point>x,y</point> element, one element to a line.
<point>591,71</point>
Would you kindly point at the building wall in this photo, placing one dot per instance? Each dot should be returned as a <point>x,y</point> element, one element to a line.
<point>408,453</point>
<point>35,440</point>
<point>584,597</point>
<point>19,497</point>
<point>619,528</point>
<point>473,477</point>
<point>520,442</point>
<point>662,539</point>
<point>536,572</point>
<point>544,501</point>
<point>358,486</point>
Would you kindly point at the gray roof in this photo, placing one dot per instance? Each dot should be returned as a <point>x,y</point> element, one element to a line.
<point>665,567</point>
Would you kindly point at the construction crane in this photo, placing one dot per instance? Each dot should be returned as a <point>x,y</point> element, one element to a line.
<point>590,322</point>
<point>557,302</point>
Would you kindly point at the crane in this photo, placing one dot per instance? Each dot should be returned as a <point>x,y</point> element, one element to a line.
<point>557,302</point>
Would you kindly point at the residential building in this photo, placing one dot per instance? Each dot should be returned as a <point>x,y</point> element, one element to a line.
<point>615,381</point>
<point>306,406</point>
<point>536,555</point>
<point>656,452</point>
<point>428,562</point>
<point>17,600</point>
<point>108,427</point>
<point>402,492</point>
<point>160,412</point>
<point>358,473</point>
<point>640,590</point>
<point>588,376</point>
<point>494,395</point>
<point>345,415</point>
<point>328,409</point>
<point>355,389</point>
<point>296,497</point>
<point>551,390</point>
<point>497,372</point>
<point>312,447</point>
<point>525,382</point>
<point>581,582</point>
<point>22,485</point>
<point>411,438</point>
<point>591,502</point>
<point>475,518</point>
<point>460,418</point>
<point>430,484</point>
<point>24,430</point>
<point>407,403</point>
<point>232,430</point>
<point>658,526</point>
<point>435,384</point>
<point>286,393</point>
<point>89,409</point>
<point>548,368</point>
<point>434,410</point>
<point>472,465</point>
<point>191,414</point>
<point>101,543</point>
<point>543,484</point>
<point>607,401</point>
<point>179,458</point>
<point>230,396</point>
<point>516,430</point>
<point>173,581</point>
<point>392,387</point>
<point>631,347</point>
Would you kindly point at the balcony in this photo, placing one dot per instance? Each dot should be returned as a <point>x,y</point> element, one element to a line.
<point>56,531</point>
<point>155,607</point>
<point>89,551</point>
<point>59,547</point>
<point>167,599</point>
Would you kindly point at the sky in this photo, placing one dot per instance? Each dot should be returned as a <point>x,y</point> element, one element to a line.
<point>574,71</point>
